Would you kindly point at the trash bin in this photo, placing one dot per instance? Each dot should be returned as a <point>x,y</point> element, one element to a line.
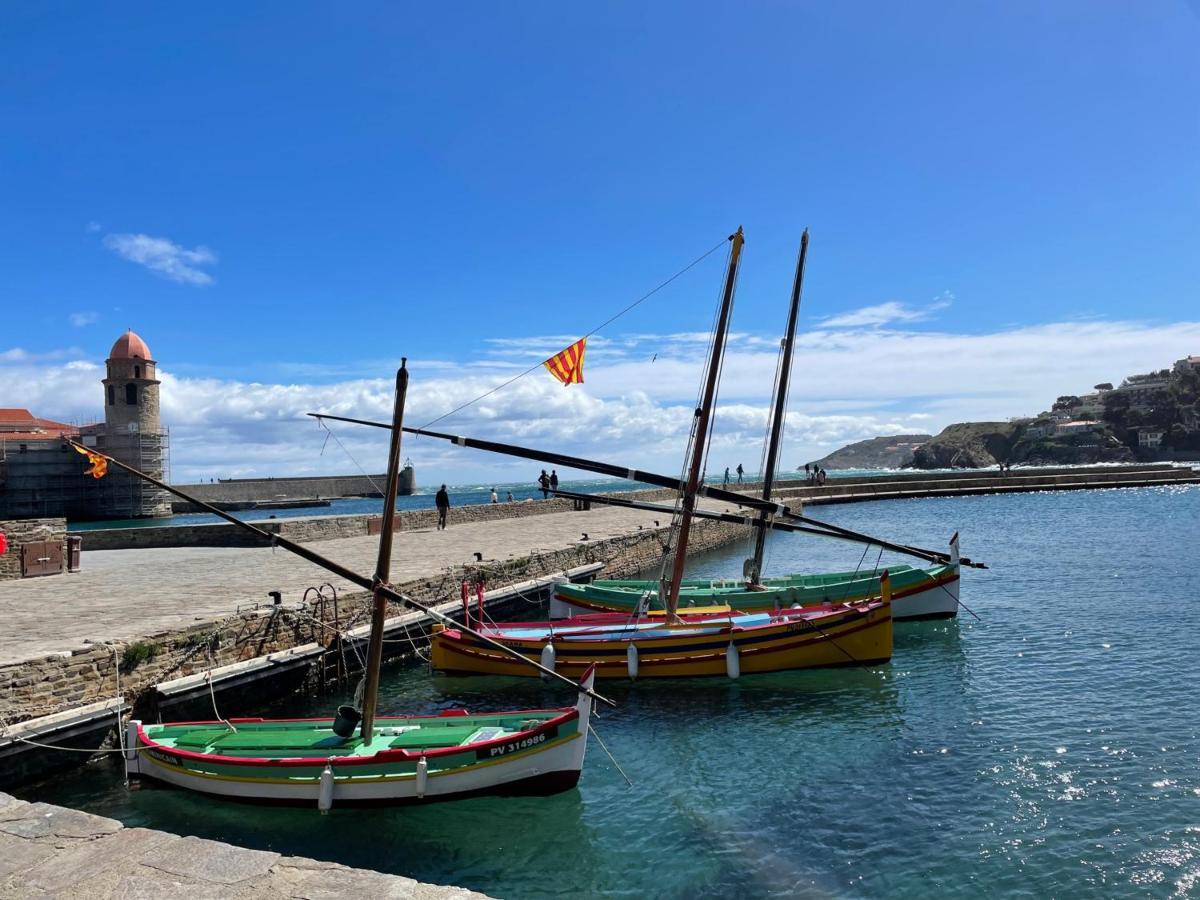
<point>74,549</point>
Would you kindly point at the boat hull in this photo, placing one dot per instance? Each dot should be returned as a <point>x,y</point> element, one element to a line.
<point>543,760</point>
<point>849,635</point>
<point>916,594</point>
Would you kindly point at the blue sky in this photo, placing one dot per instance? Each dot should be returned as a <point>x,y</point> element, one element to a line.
<point>319,190</point>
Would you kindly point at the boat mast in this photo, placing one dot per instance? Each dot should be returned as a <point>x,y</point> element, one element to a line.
<point>703,418</point>
<point>754,576</point>
<point>383,564</point>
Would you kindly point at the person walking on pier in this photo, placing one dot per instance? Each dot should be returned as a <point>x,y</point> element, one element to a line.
<point>442,501</point>
<point>544,484</point>
<point>495,498</point>
<point>553,480</point>
<point>726,482</point>
<point>740,472</point>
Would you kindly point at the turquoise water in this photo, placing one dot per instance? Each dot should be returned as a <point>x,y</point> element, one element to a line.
<point>1051,749</point>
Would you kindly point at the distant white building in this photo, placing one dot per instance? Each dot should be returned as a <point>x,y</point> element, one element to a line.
<point>1077,426</point>
<point>1188,362</point>
<point>1149,437</point>
<point>1144,390</point>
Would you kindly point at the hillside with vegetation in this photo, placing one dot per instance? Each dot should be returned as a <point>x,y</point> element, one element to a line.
<point>1154,415</point>
<point>890,452</point>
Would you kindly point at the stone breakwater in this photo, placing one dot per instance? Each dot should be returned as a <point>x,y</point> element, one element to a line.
<point>836,490</point>
<point>50,851</point>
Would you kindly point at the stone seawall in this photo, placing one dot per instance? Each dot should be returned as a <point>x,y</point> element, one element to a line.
<point>320,528</point>
<point>19,532</point>
<point>327,487</point>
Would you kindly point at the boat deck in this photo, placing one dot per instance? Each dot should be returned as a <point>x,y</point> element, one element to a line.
<point>300,738</point>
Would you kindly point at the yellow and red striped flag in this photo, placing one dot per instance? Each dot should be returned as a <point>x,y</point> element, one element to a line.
<point>99,464</point>
<point>567,366</point>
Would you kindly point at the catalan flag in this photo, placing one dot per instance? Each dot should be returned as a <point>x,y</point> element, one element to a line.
<point>99,464</point>
<point>567,366</point>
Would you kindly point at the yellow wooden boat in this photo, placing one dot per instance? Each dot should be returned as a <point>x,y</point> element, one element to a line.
<point>706,643</point>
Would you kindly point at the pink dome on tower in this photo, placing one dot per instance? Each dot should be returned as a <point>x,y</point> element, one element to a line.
<point>130,346</point>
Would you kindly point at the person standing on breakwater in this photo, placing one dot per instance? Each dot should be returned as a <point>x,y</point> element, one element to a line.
<point>553,480</point>
<point>495,499</point>
<point>740,472</point>
<point>544,484</point>
<point>725,483</point>
<point>442,501</point>
<point>509,498</point>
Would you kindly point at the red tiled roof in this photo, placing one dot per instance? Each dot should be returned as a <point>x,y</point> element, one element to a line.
<point>32,428</point>
<point>17,417</point>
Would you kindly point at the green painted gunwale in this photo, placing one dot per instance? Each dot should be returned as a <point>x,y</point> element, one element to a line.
<point>833,587</point>
<point>292,740</point>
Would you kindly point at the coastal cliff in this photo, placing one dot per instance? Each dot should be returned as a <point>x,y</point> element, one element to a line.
<point>891,452</point>
<point>967,445</point>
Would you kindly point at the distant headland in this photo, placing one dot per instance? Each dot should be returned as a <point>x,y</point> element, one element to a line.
<point>1148,417</point>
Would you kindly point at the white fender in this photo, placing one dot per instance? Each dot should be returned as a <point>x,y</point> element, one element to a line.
<point>133,759</point>
<point>733,662</point>
<point>325,791</point>
<point>548,657</point>
<point>631,659</point>
<point>422,776</point>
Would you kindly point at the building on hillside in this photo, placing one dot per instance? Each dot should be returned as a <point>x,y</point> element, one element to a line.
<point>1091,406</point>
<point>1077,426</point>
<point>40,476</point>
<point>1190,418</point>
<point>1188,362</point>
<point>1150,438</point>
<point>1039,429</point>
<point>1144,391</point>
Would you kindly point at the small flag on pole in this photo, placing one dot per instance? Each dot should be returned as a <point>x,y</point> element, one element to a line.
<point>99,464</point>
<point>567,366</point>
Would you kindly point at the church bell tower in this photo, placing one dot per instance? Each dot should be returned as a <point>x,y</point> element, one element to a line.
<point>133,430</point>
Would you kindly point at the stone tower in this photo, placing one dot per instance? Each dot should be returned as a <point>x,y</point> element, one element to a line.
<point>130,389</point>
<point>133,432</point>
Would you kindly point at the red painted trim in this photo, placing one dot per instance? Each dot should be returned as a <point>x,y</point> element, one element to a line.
<point>383,756</point>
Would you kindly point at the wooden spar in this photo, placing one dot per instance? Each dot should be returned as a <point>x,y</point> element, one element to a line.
<point>337,568</point>
<point>703,419</point>
<point>716,493</point>
<point>781,391</point>
<point>383,565</point>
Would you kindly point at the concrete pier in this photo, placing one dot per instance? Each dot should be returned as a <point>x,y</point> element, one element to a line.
<point>49,851</point>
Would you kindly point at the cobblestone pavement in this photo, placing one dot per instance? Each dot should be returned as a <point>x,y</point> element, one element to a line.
<point>124,594</point>
<point>49,851</point>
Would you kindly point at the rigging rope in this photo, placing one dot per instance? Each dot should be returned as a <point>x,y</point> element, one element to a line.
<point>330,434</point>
<point>699,259</point>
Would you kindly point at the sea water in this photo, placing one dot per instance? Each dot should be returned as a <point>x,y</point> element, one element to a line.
<point>1050,747</point>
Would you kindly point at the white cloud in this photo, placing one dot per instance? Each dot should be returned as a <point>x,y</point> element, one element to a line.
<point>163,257</point>
<point>80,319</point>
<point>886,313</point>
<point>847,385</point>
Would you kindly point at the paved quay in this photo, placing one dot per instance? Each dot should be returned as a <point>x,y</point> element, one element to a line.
<point>128,594</point>
<point>49,851</point>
